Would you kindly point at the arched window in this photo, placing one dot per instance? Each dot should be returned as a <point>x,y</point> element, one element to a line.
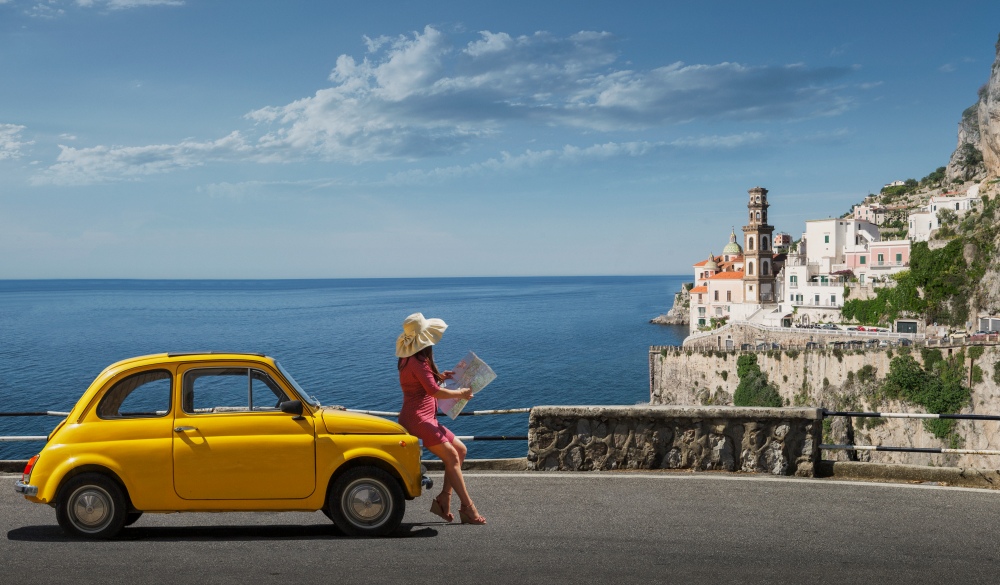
<point>763,242</point>
<point>764,269</point>
<point>750,243</point>
<point>750,268</point>
<point>758,199</point>
<point>751,216</point>
<point>758,216</point>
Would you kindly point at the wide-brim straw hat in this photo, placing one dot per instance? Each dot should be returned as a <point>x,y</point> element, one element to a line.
<point>418,333</point>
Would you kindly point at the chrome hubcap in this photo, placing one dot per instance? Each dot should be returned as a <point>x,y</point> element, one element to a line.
<point>365,503</point>
<point>91,508</point>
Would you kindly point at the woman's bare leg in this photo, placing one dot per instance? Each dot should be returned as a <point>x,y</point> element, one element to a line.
<point>452,457</point>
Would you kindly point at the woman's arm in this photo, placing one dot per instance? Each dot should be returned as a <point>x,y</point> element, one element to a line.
<point>431,386</point>
<point>460,393</point>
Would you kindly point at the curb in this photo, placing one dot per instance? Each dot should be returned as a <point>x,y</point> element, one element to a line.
<point>12,466</point>
<point>516,464</point>
<point>891,472</point>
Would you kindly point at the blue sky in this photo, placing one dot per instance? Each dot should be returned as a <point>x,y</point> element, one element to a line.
<point>293,139</point>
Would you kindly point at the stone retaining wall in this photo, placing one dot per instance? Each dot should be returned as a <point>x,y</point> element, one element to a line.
<point>779,441</point>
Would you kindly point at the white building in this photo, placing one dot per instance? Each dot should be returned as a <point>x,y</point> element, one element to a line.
<point>832,253</point>
<point>921,223</point>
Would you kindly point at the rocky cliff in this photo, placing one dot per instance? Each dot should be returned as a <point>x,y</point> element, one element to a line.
<point>978,152</point>
<point>679,314</point>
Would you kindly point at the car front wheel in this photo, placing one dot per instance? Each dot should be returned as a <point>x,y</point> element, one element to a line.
<point>366,501</point>
<point>91,505</point>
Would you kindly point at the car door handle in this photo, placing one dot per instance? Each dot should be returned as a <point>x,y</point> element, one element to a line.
<point>182,429</point>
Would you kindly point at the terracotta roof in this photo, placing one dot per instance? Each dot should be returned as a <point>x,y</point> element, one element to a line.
<point>699,289</point>
<point>732,275</point>
<point>716,259</point>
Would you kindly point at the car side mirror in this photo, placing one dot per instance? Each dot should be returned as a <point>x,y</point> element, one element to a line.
<point>292,407</point>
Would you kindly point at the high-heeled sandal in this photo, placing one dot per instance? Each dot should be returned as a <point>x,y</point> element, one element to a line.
<point>467,518</point>
<point>438,509</point>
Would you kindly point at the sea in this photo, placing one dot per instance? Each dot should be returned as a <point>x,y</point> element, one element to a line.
<point>550,340</point>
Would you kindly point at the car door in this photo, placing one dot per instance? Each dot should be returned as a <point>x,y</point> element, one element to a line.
<point>231,441</point>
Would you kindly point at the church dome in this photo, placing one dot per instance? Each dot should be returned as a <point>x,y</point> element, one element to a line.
<point>732,248</point>
<point>711,264</point>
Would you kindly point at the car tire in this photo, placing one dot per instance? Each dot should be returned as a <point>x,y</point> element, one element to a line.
<point>91,505</point>
<point>132,517</point>
<point>366,501</point>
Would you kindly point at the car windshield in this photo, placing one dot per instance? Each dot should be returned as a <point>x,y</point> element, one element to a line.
<point>298,389</point>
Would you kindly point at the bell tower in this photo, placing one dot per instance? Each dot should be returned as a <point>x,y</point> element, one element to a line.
<point>758,251</point>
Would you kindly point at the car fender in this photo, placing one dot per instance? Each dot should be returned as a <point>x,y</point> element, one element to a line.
<point>395,460</point>
<point>48,490</point>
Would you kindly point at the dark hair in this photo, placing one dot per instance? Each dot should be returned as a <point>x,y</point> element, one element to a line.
<point>424,355</point>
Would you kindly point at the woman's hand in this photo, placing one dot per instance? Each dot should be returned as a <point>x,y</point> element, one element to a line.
<point>448,374</point>
<point>466,393</point>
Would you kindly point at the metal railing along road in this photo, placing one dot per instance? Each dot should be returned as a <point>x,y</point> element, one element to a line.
<point>31,438</point>
<point>912,415</point>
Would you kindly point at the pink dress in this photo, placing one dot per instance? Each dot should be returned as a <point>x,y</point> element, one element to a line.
<point>419,405</point>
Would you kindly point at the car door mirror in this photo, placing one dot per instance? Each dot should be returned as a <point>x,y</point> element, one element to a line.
<point>292,407</point>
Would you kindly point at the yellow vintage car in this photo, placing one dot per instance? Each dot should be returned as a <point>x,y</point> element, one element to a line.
<point>200,432</point>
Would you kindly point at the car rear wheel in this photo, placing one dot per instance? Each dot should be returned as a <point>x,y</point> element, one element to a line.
<point>366,501</point>
<point>91,505</point>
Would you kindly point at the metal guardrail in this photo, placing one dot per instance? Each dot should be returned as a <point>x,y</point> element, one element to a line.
<point>31,438</point>
<point>910,415</point>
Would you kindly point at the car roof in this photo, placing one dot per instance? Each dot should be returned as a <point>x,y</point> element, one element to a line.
<point>191,356</point>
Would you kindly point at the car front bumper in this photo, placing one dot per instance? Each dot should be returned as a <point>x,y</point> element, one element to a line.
<point>23,488</point>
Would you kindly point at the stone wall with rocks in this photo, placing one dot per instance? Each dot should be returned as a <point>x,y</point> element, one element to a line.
<point>779,441</point>
<point>838,380</point>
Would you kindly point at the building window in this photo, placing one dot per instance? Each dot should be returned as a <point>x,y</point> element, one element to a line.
<point>817,299</point>
<point>701,311</point>
<point>750,268</point>
<point>699,298</point>
<point>881,260</point>
<point>716,295</point>
<point>826,239</point>
<point>764,269</point>
<point>956,207</point>
<point>899,259</point>
<point>750,243</point>
<point>862,260</point>
<point>833,300</point>
<point>729,295</point>
<point>793,280</point>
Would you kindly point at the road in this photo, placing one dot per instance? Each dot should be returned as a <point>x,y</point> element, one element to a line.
<point>552,528</point>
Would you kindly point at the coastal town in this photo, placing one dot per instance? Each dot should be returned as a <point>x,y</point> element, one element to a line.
<point>771,280</point>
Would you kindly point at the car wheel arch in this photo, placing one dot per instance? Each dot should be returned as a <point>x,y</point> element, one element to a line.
<point>361,462</point>
<point>99,469</point>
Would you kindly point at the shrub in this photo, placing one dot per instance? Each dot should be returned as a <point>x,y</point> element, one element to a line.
<point>939,390</point>
<point>725,375</point>
<point>754,388</point>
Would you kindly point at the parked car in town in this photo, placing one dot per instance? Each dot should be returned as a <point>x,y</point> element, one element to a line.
<point>188,432</point>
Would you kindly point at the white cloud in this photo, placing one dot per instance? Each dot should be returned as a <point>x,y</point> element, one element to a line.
<point>422,95</point>
<point>723,142</point>
<point>103,163</point>
<point>569,154</point>
<point>125,4</point>
<point>54,8</point>
<point>947,68</point>
<point>10,141</point>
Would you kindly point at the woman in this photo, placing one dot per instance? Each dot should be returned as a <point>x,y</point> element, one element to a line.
<point>421,384</point>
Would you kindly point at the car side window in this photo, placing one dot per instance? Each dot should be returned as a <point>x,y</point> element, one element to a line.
<point>210,390</point>
<point>142,395</point>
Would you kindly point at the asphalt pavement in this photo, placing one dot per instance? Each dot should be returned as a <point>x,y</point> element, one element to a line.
<point>661,527</point>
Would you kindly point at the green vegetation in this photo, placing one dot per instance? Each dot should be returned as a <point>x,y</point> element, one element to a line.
<point>943,277</point>
<point>754,388</point>
<point>937,386</point>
